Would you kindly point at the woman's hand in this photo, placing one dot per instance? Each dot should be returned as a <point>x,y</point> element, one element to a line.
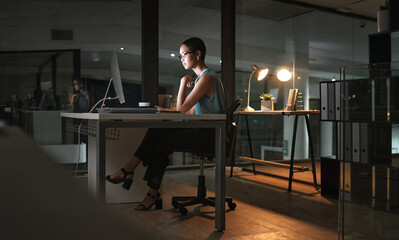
<point>75,97</point>
<point>161,108</point>
<point>205,86</point>
<point>187,81</point>
<point>190,84</point>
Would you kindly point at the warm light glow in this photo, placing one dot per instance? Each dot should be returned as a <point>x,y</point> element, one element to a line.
<point>284,75</point>
<point>262,74</point>
<point>248,109</point>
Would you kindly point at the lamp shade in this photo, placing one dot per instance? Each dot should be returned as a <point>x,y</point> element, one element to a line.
<point>262,73</point>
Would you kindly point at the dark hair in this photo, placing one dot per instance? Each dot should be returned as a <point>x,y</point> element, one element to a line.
<point>80,81</point>
<point>196,44</point>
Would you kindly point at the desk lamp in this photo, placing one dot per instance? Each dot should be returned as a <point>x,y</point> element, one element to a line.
<point>262,73</point>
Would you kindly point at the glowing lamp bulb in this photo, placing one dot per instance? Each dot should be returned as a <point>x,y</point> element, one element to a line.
<point>284,75</point>
<point>263,74</point>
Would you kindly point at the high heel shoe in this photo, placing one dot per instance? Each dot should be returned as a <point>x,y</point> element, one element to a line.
<point>127,182</point>
<point>157,202</point>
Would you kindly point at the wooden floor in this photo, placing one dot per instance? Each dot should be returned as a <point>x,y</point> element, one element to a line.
<point>264,209</point>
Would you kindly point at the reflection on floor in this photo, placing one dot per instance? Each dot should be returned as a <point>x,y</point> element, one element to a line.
<point>362,222</point>
<point>264,209</point>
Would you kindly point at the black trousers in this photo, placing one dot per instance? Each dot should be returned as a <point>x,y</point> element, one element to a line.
<point>159,143</point>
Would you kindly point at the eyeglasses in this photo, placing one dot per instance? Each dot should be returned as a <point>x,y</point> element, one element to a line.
<point>184,54</point>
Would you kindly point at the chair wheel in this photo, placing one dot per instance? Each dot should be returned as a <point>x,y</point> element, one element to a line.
<point>175,204</point>
<point>232,205</point>
<point>183,211</point>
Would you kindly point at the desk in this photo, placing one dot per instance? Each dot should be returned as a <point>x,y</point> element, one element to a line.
<point>160,120</point>
<point>305,114</point>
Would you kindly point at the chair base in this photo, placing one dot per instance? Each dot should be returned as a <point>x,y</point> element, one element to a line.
<point>182,202</point>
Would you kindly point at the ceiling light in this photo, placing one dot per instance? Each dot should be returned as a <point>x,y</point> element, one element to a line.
<point>173,55</point>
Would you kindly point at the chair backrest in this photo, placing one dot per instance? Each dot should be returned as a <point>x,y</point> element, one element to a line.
<point>231,126</point>
<point>231,130</point>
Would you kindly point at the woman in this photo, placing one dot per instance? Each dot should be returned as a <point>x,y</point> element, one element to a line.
<point>207,97</point>
<point>80,97</point>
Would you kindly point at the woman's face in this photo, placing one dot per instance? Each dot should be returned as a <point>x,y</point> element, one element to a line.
<point>76,85</point>
<point>187,57</point>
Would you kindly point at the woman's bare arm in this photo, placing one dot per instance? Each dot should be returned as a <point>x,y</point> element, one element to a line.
<point>205,86</point>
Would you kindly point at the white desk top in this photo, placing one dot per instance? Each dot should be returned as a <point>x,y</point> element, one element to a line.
<point>143,116</point>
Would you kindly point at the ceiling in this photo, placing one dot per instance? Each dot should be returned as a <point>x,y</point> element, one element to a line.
<point>264,31</point>
<point>363,8</point>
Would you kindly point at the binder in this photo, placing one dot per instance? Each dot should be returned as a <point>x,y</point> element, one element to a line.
<point>338,101</point>
<point>345,103</point>
<point>331,100</point>
<point>295,100</point>
<point>364,154</point>
<point>356,142</point>
<point>340,137</point>
<point>323,101</point>
<point>292,99</point>
<point>347,141</point>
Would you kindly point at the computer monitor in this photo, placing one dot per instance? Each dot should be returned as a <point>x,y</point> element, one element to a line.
<point>116,76</point>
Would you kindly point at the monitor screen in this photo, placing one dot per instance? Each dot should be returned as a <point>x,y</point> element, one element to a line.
<point>116,76</point>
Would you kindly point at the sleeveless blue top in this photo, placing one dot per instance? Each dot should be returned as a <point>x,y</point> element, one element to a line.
<point>217,103</point>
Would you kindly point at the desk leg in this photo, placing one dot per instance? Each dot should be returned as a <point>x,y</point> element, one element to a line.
<point>220,178</point>
<point>250,143</point>
<point>100,163</point>
<point>292,153</point>
<point>311,151</point>
<point>63,130</point>
<point>233,150</point>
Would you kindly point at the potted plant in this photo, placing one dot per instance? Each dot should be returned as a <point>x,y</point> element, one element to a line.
<point>383,21</point>
<point>267,103</point>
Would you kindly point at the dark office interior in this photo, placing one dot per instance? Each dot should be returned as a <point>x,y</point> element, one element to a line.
<point>343,144</point>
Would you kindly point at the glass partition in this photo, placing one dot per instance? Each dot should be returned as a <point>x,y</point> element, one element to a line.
<point>309,43</point>
<point>177,22</point>
<point>42,54</point>
<point>312,45</point>
<point>367,149</point>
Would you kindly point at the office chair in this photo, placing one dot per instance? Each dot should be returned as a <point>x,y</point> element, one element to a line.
<point>182,202</point>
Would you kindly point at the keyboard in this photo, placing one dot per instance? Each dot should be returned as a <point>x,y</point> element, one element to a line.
<point>128,110</point>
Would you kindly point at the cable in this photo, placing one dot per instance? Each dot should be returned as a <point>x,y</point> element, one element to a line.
<point>106,92</point>
<point>80,126</point>
<point>78,159</point>
<point>103,99</point>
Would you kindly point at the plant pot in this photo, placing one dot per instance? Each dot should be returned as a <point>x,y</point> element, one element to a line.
<point>383,22</point>
<point>267,105</point>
